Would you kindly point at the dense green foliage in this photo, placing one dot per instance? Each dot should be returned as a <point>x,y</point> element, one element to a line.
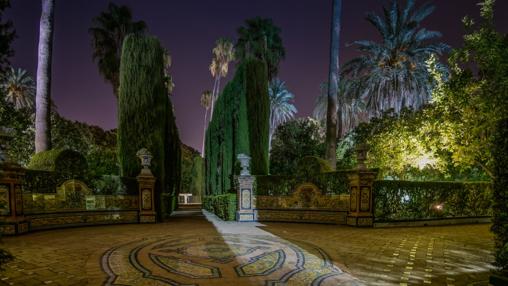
<point>193,172</point>
<point>292,141</point>
<point>18,87</point>
<point>260,39</point>
<point>108,33</point>
<point>7,35</point>
<point>410,200</point>
<point>146,119</point>
<point>63,161</point>
<point>330,183</point>
<point>238,127</point>
<point>500,222</point>
<point>309,166</point>
<point>452,137</point>
<point>223,206</point>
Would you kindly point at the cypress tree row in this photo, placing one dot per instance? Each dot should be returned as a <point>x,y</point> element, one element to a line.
<point>146,119</point>
<point>240,124</point>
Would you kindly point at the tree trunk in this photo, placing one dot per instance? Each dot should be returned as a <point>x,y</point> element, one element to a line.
<point>204,134</point>
<point>215,84</point>
<point>333,80</point>
<point>43,92</point>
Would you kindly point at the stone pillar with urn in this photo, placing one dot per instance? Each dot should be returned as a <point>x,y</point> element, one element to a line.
<point>361,180</point>
<point>246,206</point>
<point>146,182</point>
<point>12,176</point>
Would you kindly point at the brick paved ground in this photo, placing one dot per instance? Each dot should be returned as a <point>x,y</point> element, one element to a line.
<point>452,255</point>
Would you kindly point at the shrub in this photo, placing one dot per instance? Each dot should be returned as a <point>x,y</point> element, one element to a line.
<point>223,206</point>
<point>312,165</point>
<point>240,124</point>
<point>109,185</point>
<point>410,200</point>
<point>292,141</point>
<point>500,202</point>
<point>67,162</point>
<point>330,183</point>
<point>145,117</point>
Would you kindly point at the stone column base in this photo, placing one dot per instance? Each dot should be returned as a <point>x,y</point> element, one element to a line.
<point>360,221</point>
<point>15,227</point>
<point>147,218</point>
<point>246,216</point>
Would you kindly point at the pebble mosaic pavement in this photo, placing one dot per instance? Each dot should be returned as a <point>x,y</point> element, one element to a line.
<point>192,249</point>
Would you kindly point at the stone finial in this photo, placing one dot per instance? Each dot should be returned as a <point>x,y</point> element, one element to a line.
<point>146,159</point>
<point>245,164</point>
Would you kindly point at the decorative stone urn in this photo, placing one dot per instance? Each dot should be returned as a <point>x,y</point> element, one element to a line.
<point>146,160</point>
<point>245,164</point>
<point>146,182</point>
<point>246,204</point>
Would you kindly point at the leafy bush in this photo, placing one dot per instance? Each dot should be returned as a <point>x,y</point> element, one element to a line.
<point>109,185</point>
<point>312,165</point>
<point>292,141</point>
<point>67,162</point>
<point>409,200</point>
<point>500,202</point>
<point>223,206</point>
<point>330,183</point>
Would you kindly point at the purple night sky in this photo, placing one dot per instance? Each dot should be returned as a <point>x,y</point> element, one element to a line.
<point>188,29</point>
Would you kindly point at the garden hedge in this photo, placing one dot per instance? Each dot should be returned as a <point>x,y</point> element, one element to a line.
<point>240,124</point>
<point>411,200</point>
<point>223,206</point>
<point>500,202</point>
<point>145,117</point>
<point>69,163</point>
<point>330,183</point>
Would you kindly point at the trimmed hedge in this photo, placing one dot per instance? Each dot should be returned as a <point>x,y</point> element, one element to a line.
<point>500,202</point>
<point>240,124</point>
<point>146,119</point>
<point>69,163</point>
<point>309,166</point>
<point>223,206</point>
<point>330,183</point>
<point>409,200</point>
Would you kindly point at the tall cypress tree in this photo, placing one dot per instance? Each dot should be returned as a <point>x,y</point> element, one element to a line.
<point>146,117</point>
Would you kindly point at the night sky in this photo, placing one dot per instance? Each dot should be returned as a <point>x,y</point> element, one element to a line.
<point>188,29</point>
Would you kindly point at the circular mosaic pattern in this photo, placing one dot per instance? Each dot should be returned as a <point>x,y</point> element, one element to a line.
<point>220,260</point>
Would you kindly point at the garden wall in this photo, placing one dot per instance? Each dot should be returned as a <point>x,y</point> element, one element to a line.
<point>34,200</point>
<point>318,198</point>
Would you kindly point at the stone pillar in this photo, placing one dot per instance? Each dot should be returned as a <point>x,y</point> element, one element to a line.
<point>12,176</point>
<point>146,182</point>
<point>360,199</point>
<point>361,180</point>
<point>246,206</point>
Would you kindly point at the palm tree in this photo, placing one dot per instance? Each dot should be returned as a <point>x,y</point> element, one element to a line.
<point>394,72</point>
<point>350,108</point>
<point>223,54</point>
<point>43,92</point>
<point>261,39</point>
<point>281,106</point>
<point>206,101</point>
<point>108,32</point>
<point>19,88</point>
<point>333,80</point>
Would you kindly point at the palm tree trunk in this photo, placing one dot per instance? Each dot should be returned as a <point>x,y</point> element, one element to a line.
<point>204,134</point>
<point>213,96</point>
<point>333,80</point>
<point>43,92</point>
